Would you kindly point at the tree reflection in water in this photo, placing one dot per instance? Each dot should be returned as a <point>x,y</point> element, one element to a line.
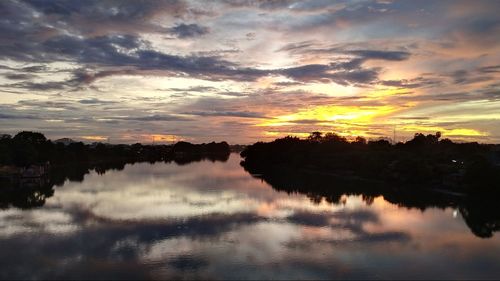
<point>214,221</point>
<point>27,193</point>
<point>480,213</point>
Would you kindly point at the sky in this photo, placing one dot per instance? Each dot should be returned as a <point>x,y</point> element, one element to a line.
<point>246,71</point>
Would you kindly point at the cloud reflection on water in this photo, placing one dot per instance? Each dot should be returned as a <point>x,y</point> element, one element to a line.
<point>213,220</point>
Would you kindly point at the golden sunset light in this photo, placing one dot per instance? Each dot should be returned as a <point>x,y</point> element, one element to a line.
<point>249,139</point>
<point>234,71</point>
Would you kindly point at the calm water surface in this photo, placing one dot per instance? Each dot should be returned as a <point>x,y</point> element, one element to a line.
<point>213,220</point>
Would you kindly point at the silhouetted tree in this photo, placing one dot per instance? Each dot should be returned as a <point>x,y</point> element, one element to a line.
<point>333,138</point>
<point>315,136</point>
<point>360,140</point>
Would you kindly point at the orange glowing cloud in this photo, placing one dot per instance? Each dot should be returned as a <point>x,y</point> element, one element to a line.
<point>94,138</point>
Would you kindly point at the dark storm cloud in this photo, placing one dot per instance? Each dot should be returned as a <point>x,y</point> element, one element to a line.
<point>188,30</point>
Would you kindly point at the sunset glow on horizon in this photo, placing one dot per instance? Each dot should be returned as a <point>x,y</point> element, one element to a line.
<point>246,71</point>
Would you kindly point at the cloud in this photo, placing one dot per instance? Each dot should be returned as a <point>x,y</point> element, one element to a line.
<point>201,89</point>
<point>354,50</point>
<point>156,117</point>
<point>414,118</point>
<point>95,101</point>
<point>18,76</point>
<point>380,55</point>
<point>188,30</point>
<point>43,104</point>
<point>132,56</point>
<point>97,18</point>
<point>285,5</point>
<point>72,54</point>
<point>126,53</point>
<point>15,116</point>
<point>298,46</point>
<point>490,69</point>
<point>242,114</point>
<point>342,70</point>
<point>43,86</point>
<point>331,73</point>
<point>352,221</point>
<point>419,82</point>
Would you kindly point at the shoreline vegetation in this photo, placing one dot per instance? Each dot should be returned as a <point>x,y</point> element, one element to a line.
<point>31,165</point>
<point>34,149</point>
<point>424,172</point>
<point>425,160</point>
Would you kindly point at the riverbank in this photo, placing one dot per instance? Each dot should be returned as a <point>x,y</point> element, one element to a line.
<point>461,168</point>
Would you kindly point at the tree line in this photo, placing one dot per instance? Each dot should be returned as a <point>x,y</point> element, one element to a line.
<point>28,148</point>
<point>424,160</point>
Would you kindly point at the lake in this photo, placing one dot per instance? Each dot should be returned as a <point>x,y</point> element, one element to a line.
<point>213,220</point>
